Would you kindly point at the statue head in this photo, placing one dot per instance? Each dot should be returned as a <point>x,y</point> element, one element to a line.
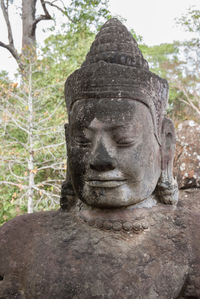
<point>120,144</point>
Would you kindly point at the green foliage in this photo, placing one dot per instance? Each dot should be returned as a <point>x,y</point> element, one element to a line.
<point>163,60</point>
<point>188,72</point>
<point>179,63</point>
<point>64,53</point>
<point>48,149</point>
<point>9,207</point>
<point>190,21</point>
<point>4,77</point>
<point>159,56</point>
<point>86,14</point>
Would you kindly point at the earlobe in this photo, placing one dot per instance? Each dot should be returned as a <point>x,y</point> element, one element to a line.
<point>68,197</point>
<point>168,140</point>
<point>167,188</point>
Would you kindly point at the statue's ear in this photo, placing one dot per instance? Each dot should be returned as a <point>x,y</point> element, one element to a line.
<point>168,141</point>
<point>167,188</point>
<point>68,197</point>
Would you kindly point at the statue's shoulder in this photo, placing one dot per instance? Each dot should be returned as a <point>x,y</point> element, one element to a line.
<point>189,211</point>
<point>189,200</point>
<point>189,204</point>
<point>24,224</point>
<point>21,232</point>
<point>20,239</point>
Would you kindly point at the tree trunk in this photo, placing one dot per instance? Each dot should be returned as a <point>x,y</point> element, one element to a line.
<point>28,28</point>
<point>31,183</point>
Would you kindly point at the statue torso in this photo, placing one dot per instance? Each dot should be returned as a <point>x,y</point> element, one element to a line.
<point>58,255</point>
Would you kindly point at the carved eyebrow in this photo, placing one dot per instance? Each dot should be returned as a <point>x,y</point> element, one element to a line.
<point>127,126</point>
<point>109,128</point>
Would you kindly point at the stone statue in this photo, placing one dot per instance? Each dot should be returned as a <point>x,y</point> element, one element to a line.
<point>117,126</point>
<point>121,231</point>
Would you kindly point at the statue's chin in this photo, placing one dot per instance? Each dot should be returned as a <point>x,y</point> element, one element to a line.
<point>111,195</point>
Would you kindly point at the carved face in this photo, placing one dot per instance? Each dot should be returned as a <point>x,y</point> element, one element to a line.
<point>114,157</point>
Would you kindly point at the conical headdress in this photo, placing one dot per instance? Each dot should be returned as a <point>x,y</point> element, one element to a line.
<point>115,68</point>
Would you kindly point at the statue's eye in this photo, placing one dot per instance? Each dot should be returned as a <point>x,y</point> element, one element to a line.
<point>125,141</point>
<point>82,141</point>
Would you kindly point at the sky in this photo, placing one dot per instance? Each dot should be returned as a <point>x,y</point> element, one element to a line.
<point>154,20</point>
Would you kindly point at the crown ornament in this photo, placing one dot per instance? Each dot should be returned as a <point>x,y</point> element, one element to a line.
<point>116,68</point>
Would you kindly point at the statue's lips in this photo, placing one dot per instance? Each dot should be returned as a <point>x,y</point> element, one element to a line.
<point>105,183</point>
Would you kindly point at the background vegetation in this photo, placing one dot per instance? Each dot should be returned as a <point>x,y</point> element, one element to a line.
<point>32,108</point>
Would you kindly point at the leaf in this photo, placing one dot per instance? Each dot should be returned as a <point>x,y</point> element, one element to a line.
<point>14,195</point>
<point>34,170</point>
<point>14,85</point>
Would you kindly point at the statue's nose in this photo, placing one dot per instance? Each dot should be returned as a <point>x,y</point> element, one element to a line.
<point>101,160</point>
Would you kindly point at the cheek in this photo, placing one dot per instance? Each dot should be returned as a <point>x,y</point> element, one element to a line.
<point>154,157</point>
<point>131,161</point>
<point>153,161</point>
<point>77,165</point>
<point>77,159</point>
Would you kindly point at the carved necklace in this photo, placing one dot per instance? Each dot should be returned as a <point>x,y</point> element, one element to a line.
<point>136,226</point>
<point>132,219</point>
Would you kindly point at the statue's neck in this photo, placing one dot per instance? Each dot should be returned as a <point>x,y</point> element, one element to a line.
<point>132,218</point>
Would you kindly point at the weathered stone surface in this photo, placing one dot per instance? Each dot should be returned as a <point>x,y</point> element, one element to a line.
<point>187,158</point>
<point>120,144</point>
<point>57,255</point>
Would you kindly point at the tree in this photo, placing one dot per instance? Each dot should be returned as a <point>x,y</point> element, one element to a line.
<point>189,82</point>
<point>179,63</point>
<point>32,136</point>
<point>80,14</point>
<point>33,157</point>
<point>163,59</point>
<point>29,24</point>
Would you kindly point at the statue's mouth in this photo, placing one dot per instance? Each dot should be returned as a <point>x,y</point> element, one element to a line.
<point>105,183</point>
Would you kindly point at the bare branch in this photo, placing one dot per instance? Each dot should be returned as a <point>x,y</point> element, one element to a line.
<point>189,103</point>
<point>16,142</point>
<point>16,112</point>
<point>19,200</point>
<point>10,46</point>
<point>46,16</point>
<point>48,181</point>
<point>59,129</point>
<point>48,146</point>
<point>57,187</point>
<point>13,184</point>
<point>13,51</point>
<point>6,17</point>
<point>16,161</point>
<point>16,176</point>
<point>188,100</point>
<point>45,9</point>
<point>12,116</point>
<point>60,9</point>
<point>46,192</point>
<point>44,162</point>
<point>49,86</point>
<point>50,116</point>
<point>51,166</point>
<point>20,99</point>
<point>18,124</point>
